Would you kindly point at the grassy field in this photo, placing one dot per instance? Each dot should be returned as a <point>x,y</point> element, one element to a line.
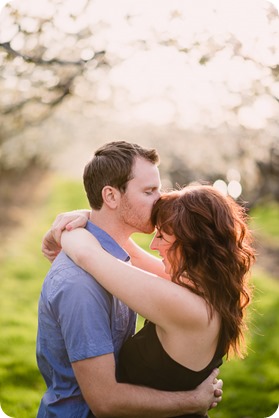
<point>251,385</point>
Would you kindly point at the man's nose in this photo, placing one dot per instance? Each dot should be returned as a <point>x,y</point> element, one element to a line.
<point>157,196</point>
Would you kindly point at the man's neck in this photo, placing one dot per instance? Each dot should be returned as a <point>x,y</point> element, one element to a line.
<point>117,231</point>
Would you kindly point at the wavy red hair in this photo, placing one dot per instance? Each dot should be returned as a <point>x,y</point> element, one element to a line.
<point>213,250</point>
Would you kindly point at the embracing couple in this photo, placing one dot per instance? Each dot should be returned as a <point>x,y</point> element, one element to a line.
<point>193,297</point>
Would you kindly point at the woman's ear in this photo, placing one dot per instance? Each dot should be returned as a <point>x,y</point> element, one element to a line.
<point>111,196</point>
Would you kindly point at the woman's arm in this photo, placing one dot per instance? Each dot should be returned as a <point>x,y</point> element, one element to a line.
<point>51,244</point>
<point>155,298</point>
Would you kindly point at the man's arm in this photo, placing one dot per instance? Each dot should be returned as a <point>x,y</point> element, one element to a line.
<point>106,397</point>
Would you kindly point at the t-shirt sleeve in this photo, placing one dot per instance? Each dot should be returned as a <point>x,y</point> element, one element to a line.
<point>82,308</point>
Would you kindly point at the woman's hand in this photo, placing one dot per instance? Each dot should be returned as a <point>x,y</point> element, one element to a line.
<point>51,245</point>
<point>50,248</point>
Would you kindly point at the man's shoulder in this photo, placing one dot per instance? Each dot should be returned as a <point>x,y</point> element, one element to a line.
<point>65,276</point>
<point>63,263</point>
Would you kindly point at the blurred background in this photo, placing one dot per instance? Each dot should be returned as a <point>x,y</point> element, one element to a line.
<point>198,80</point>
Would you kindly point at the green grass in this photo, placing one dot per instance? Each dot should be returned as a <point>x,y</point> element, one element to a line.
<point>265,222</point>
<point>252,385</point>
<point>251,388</point>
<point>22,270</point>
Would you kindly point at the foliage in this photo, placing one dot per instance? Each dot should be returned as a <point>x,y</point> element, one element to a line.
<point>251,385</point>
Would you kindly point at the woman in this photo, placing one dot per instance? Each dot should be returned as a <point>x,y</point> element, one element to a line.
<point>197,316</point>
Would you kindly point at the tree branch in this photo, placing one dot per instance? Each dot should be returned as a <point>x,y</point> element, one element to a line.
<point>41,61</point>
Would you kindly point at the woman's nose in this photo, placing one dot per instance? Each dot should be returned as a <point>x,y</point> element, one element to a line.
<point>153,244</point>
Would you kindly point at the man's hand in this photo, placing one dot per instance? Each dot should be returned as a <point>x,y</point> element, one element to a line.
<point>96,378</point>
<point>51,245</point>
<point>218,392</point>
<point>209,393</point>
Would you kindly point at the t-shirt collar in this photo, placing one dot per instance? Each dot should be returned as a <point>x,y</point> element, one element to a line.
<point>107,242</point>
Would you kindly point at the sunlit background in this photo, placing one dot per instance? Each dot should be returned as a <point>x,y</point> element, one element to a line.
<point>198,80</point>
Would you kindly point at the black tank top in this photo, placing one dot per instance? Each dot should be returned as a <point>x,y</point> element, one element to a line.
<point>143,361</point>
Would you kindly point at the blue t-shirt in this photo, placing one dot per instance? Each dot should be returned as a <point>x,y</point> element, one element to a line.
<point>77,319</point>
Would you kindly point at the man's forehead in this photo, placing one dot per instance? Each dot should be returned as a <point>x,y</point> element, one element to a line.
<point>151,178</point>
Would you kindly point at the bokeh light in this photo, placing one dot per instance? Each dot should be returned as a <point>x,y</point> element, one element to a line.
<point>221,186</point>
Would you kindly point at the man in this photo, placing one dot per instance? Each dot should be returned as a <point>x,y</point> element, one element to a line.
<point>81,326</point>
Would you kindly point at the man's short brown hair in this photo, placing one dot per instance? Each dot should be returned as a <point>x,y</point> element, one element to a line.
<point>112,165</point>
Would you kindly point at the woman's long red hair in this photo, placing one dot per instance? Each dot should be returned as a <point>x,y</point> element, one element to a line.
<point>213,250</point>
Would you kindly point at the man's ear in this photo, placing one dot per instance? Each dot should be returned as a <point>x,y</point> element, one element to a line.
<point>111,196</point>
